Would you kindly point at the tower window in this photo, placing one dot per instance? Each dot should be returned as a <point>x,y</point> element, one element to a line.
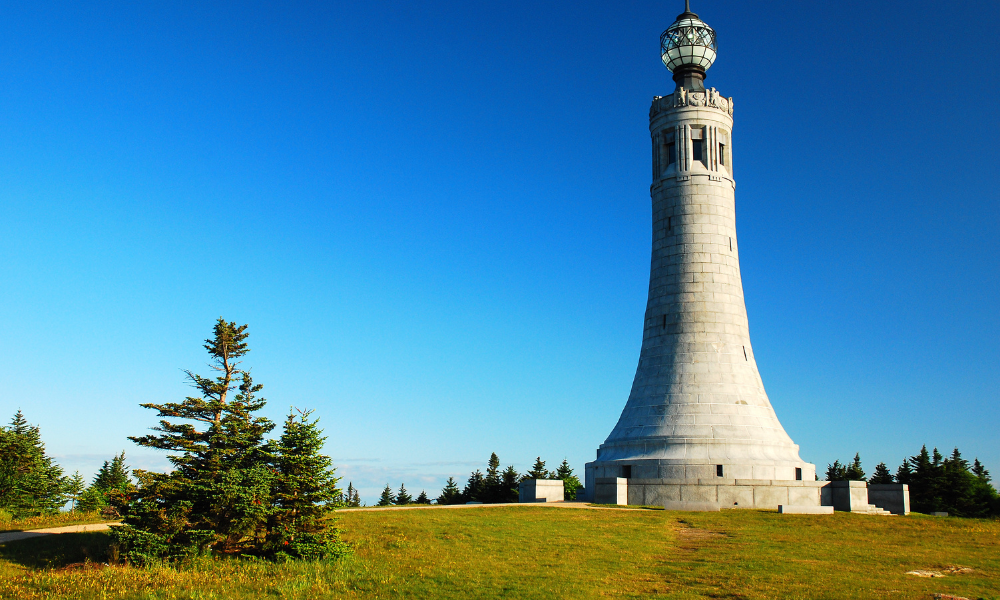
<point>798,473</point>
<point>722,154</point>
<point>627,471</point>
<point>671,153</point>
<point>698,144</point>
<point>718,470</point>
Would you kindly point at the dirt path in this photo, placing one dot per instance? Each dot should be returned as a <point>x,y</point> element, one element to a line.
<point>10,536</point>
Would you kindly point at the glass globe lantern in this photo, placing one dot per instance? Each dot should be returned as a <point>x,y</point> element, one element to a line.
<point>688,49</point>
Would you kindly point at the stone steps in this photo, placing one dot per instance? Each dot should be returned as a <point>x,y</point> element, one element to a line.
<point>871,509</point>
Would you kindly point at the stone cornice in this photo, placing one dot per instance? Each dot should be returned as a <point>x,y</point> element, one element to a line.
<point>709,99</point>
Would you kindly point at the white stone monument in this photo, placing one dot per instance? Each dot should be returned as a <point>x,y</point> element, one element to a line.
<point>698,426</point>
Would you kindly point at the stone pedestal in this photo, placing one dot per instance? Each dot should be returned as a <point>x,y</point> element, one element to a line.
<point>893,497</point>
<point>540,490</point>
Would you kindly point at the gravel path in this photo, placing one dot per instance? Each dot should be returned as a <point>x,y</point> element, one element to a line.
<point>10,536</point>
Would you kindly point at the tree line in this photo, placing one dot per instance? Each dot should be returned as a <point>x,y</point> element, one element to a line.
<point>936,483</point>
<point>496,486</point>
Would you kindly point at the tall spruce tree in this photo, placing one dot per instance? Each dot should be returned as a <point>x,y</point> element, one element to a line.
<point>492,491</point>
<point>387,498</point>
<point>109,488</point>
<point>881,475</point>
<point>473,491</point>
<point>402,497</point>
<point>450,494</point>
<point>422,498</point>
<point>854,471</point>
<point>31,483</point>
<point>509,481</point>
<point>305,491</point>
<point>228,491</point>
<point>836,472</point>
<point>538,471</point>
<point>571,483</point>
<point>74,488</point>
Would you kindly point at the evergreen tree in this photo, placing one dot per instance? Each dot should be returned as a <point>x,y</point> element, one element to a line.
<point>305,491</point>
<point>509,485</point>
<point>387,498</point>
<point>403,497</point>
<point>352,500</point>
<point>881,475</point>
<point>925,481</point>
<point>74,487</point>
<point>836,472</point>
<point>422,498</point>
<point>570,481</point>
<point>904,474</point>
<point>492,492</point>
<point>854,471</point>
<point>473,491</point>
<point>31,483</point>
<point>538,470</point>
<point>980,471</point>
<point>450,494</point>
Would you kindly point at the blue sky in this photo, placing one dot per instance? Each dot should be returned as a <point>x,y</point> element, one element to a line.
<point>435,218</point>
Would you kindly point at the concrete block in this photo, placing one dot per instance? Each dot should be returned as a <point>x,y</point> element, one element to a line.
<point>657,495</point>
<point>733,495</point>
<point>699,493</point>
<point>540,490</point>
<point>786,509</point>
<point>804,496</point>
<point>692,506</point>
<point>769,496</point>
<point>893,497</point>
<point>849,495</point>
<point>611,490</point>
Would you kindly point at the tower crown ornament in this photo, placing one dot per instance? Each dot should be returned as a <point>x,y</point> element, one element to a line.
<point>688,48</point>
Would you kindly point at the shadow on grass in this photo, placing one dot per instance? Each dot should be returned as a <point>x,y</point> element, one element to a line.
<point>58,550</point>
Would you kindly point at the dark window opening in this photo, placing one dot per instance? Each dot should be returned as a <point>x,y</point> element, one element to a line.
<point>671,153</point>
<point>718,470</point>
<point>745,357</point>
<point>730,244</point>
<point>722,154</point>
<point>626,471</point>
<point>664,321</point>
<point>697,150</point>
<point>670,223</point>
<point>798,474</point>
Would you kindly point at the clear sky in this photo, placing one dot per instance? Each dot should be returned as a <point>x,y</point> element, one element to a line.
<point>435,217</point>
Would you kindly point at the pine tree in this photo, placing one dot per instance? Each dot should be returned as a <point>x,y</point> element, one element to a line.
<point>352,500</point>
<point>538,471</point>
<point>31,483</point>
<point>305,491</point>
<point>854,471</point>
<point>904,474</point>
<point>386,499</point>
<point>492,491</point>
<point>571,483</point>
<point>925,481</point>
<point>219,493</point>
<point>473,491</point>
<point>450,494</point>
<point>403,497</point>
<point>422,498</point>
<point>509,484</point>
<point>74,487</point>
<point>980,471</point>
<point>836,472</point>
<point>881,475</point>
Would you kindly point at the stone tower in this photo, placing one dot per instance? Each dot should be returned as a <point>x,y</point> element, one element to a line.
<point>697,410</point>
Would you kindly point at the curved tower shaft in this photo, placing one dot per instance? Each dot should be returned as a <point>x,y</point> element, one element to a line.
<point>697,409</point>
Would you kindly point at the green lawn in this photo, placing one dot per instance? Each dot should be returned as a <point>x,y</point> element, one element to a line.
<point>543,552</point>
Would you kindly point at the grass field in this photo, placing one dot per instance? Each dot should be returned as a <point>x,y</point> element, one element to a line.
<point>536,552</point>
